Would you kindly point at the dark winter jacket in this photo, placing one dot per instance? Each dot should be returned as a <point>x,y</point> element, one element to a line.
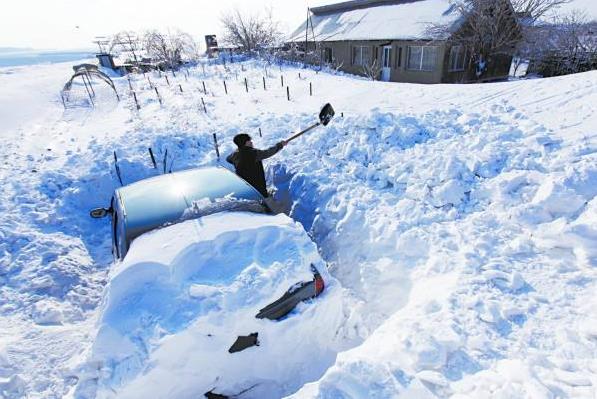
<point>248,165</point>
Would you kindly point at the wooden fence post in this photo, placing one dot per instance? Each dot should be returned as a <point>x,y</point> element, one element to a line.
<point>136,102</point>
<point>155,166</point>
<point>216,146</point>
<point>288,92</point>
<point>157,93</point>
<point>165,160</point>
<point>225,88</point>
<point>282,80</point>
<point>246,85</point>
<point>310,89</point>
<point>264,88</point>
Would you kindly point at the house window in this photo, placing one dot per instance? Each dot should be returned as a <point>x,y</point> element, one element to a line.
<point>422,58</point>
<point>328,55</point>
<point>457,58</point>
<point>361,55</point>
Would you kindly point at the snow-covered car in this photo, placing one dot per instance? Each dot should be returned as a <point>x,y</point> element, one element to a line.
<point>217,301</point>
<point>170,198</point>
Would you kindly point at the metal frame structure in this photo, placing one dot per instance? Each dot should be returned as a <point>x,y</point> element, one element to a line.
<point>86,73</point>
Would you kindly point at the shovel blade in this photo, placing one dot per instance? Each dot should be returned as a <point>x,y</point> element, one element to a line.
<point>326,114</point>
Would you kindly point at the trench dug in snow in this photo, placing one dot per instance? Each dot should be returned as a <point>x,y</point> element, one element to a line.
<point>366,203</point>
<point>342,239</point>
<point>374,285</point>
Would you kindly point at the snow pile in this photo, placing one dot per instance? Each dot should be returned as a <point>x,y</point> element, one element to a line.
<point>459,221</point>
<point>490,219</point>
<point>183,295</point>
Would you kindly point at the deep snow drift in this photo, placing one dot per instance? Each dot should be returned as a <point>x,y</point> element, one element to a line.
<point>460,221</point>
<point>184,293</point>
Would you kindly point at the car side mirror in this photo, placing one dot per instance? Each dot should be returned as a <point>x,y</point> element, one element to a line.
<point>99,213</point>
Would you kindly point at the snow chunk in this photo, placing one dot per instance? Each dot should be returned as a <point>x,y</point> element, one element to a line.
<point>203,291</point>
<point>47,312</point>
<point>557,199</point>
<point>413,243</point>
<point>451,192</point>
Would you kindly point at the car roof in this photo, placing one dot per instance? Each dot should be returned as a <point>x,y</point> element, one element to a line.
<point>163,199</point>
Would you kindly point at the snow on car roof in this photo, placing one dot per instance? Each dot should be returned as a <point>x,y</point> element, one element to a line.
<point>176,238</point>
<point>376,20</point>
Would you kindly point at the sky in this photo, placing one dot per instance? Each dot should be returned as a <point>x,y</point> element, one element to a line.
<point>73,24</point>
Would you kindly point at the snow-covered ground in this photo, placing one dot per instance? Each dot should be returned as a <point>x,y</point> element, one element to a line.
<point>460,220</point>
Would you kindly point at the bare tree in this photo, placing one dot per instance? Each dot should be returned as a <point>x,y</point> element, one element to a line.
<point>158,47</point>
<point>372,69</point>
<point>567,44</point>
<point>184,42</point>
<point>535,9</point>
<point>333,65</point>
<point>126,41</point>
<point>250,32</point>
<point>492,28</point>
<point>489,27</point>
<point>171,47</point>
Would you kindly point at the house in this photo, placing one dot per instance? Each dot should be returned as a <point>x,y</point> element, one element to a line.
<point>392,40</point>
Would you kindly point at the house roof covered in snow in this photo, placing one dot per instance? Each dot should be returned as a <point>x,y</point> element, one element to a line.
<point>376,20</point>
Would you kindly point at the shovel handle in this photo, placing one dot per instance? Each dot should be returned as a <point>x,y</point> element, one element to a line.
<point>302,132</point>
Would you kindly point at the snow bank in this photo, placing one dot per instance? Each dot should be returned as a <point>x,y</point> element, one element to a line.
<point>482,222</point>
<point>184,293</point>
<point>460,221</point>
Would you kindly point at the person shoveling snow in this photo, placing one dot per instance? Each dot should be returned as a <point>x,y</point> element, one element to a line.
<point>248,163</point>
<point>247,160</point>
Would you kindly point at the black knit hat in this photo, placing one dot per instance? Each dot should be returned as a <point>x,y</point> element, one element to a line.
<point>241,139</point>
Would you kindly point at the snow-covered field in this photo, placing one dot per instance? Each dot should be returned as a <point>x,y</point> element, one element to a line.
<point>460,220</point>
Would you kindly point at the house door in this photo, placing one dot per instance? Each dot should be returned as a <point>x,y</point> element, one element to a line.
<point>328,56</point>
<point>386,63</point>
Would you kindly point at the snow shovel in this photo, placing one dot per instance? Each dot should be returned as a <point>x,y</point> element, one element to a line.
<point>325,116</point>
